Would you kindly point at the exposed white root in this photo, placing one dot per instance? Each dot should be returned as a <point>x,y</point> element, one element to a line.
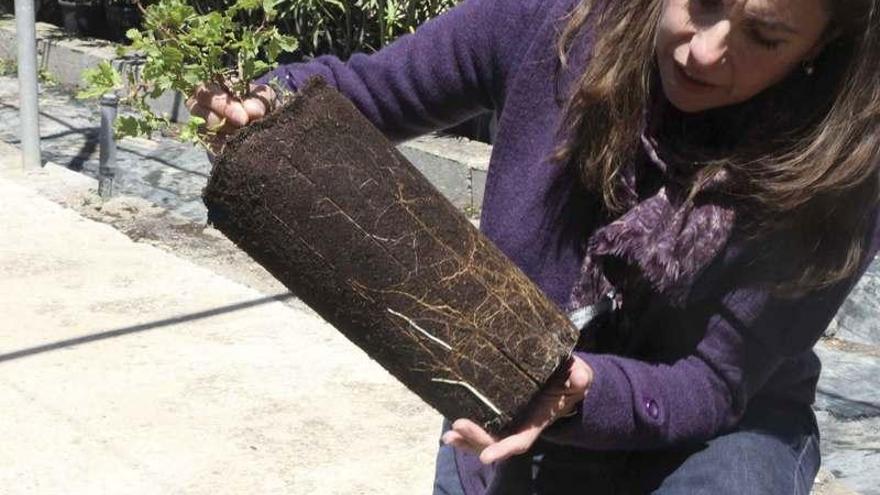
<point>420,329</point>
<point>472,390</point>
<point>387,239</point>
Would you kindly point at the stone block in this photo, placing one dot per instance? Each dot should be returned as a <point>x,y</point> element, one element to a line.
<point>858,319</point>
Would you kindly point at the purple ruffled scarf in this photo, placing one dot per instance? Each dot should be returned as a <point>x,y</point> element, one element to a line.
<point>667,239</point>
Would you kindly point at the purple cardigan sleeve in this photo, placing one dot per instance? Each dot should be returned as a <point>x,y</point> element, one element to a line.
<point>637,404</point>
<point>452,68</point>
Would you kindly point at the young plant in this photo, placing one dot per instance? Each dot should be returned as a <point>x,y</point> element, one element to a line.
<point>181,50</point>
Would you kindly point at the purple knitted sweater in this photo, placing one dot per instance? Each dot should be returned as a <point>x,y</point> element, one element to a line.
<point>739,342</point>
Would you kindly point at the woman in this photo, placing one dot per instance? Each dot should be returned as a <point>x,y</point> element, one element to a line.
<point>707,167</point>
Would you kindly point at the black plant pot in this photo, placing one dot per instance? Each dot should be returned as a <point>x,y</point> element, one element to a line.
<point>121,16</point>
<point>83,17</point>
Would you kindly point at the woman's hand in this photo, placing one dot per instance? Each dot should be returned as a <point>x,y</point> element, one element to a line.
<point>224,113</point>
<point>559,398</point>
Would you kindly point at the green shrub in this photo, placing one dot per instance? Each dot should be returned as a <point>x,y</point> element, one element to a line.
<point>183,49</point>
<point>342,27</point>
<point>231,42</point>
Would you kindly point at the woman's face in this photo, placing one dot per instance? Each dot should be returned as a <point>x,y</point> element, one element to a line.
<point>713,53</point>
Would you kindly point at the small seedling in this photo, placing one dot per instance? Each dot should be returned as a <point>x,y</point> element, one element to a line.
<point>182,49</point>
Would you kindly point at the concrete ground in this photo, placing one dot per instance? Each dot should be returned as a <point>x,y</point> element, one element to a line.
<point>127,369</point>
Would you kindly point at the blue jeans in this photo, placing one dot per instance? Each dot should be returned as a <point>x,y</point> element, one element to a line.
<point>774,450</point>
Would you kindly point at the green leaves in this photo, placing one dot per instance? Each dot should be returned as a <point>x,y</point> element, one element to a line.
<point>269,7</point>
<point>128,125</point>
<point>230,47</point>
<point>191,131</point>
<point>168,16</point>
<point>99,81</point>
<point>343,27</point>
<point>246,5</point>
<point>279,43</point>
<point>182,49</point>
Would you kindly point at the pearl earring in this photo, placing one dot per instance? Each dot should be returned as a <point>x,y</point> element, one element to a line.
<point>809,67</point>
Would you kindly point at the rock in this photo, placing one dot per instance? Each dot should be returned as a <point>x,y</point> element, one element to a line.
<point>858,319</point>
<point>851,451</point>
<point>848,410</point>
<point>848,388</point>
<point>833,328</point>
<point>827,484</point>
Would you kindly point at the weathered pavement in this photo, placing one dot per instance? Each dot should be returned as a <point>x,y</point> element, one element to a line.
<point>171,175</point>
<point>163,171</point>
<point>127,369</point>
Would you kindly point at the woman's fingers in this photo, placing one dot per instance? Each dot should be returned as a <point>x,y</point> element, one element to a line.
<point>473,433</point>
<point>260,102</point>
<point>265,94</point>
<point>235,114</point>
<point>516,444</point>
<point>557,399</point>
<point>212,96</point>
<point>255,108</point>
<point>191,103</point>
<point>466,434</point>
<point>453,438</point>
<point>224,113</point>
<point>220,102</point>
<point>212,120</point>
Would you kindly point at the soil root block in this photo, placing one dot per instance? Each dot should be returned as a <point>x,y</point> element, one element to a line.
<point>323,201</point>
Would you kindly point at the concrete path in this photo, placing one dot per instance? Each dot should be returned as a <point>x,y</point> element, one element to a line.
<point>126,369</point>
<point>163,171</point>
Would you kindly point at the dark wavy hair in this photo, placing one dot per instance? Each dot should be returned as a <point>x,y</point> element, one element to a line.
<point>801,157</point>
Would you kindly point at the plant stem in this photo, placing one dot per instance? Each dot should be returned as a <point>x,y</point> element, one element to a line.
<point>347,6</point>
<point>381,4</point>
<point>221,81</point>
